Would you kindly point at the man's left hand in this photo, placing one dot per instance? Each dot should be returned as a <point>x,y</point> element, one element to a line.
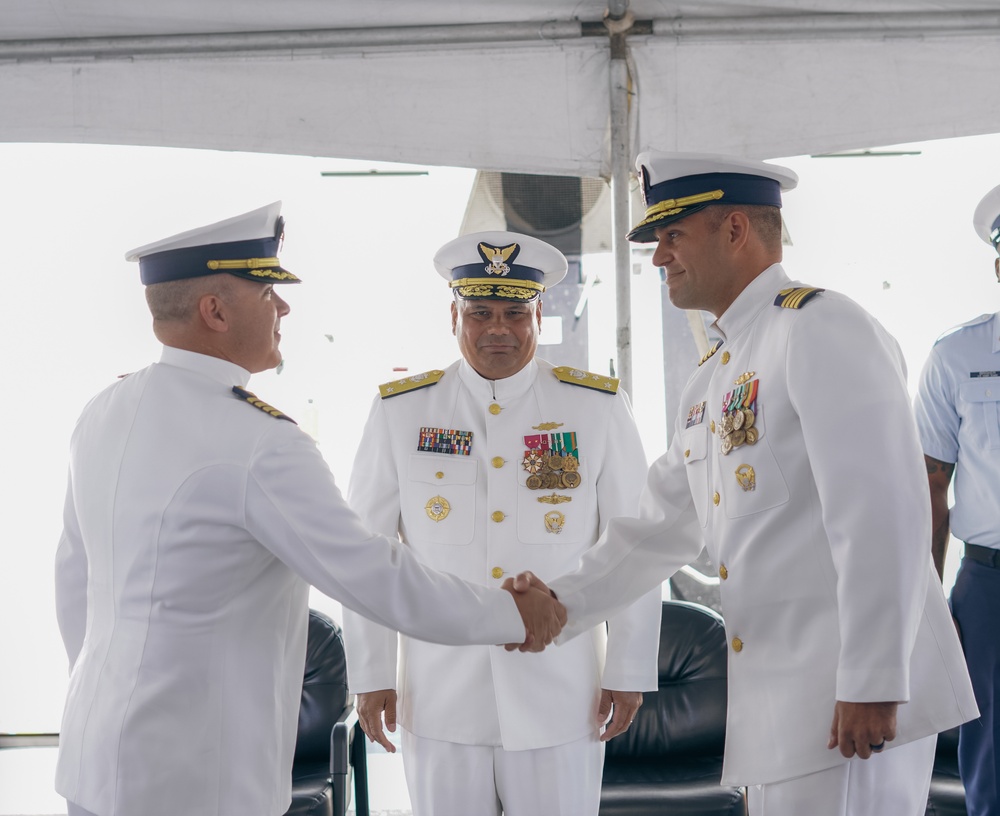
<point>624,704</point>
<point>862,728</point>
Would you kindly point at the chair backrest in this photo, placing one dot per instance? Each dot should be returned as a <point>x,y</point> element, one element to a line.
<point>324,688</point>
<point>687,714</point>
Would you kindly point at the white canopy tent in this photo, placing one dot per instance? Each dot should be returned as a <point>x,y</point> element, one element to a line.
<point>537,86</point>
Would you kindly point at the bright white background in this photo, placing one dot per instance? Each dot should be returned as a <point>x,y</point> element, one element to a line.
<point>894,233</point>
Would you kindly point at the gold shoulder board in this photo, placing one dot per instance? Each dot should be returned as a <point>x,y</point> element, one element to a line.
<point>397,387</point>
<point>711,351</point>
<point>246,396</point>
<point>796,297</point>
<point>599,382</point>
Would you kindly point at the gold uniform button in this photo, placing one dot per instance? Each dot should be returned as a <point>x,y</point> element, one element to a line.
<point>497,461</point>
<point>497,573</point>
<point>737,645</point>
<point>687,453</point>
<point>495,409</point>
<point>725,357</point>
<point>716,498</point>
<point>439,475</point>
<point>723,572</point>
<point>712,426</point>
<point>498,516</point>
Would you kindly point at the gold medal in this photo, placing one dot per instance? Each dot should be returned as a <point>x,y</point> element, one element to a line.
<point>748,419</point>
<point>727,424</point>
<point>727,445</point>
<point>752,436</point>
<point>437,508</point>
<point>571,479</point>
<point>570,464</point>
<point>554,461</point>
<point>534,482</point>
<point>738,438</point>
<point>550,481</point>
<point>738,420</point>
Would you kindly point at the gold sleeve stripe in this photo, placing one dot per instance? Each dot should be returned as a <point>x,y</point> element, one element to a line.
<point>796,297</point>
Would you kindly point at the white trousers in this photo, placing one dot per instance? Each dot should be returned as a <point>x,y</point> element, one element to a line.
<point>894,782</point>
<point>448,779</point>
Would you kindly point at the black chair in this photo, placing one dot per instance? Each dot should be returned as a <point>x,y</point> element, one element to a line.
<point>947,795</point>
<point>670,760</point>
<point>330,742</point>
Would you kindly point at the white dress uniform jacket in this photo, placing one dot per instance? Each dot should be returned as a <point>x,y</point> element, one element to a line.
<point>496,527</point>
<point>193,523</point>
<point>821,531</point>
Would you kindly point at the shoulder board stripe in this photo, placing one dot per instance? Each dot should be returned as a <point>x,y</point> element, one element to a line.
<point>247,396</point>
<point>576,376</point>
<point>711,351</point>
<point>796,297</point>
<point>407,384</point>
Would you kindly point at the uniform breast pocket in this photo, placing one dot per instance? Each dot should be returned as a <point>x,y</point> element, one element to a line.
<point>980,398</point>
<point>557,513</point>
<point>751,479</point>
<point>439,503</point>
<point>696,443</point>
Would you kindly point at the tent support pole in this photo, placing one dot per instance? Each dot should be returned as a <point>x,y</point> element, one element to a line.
<point>620,160</point>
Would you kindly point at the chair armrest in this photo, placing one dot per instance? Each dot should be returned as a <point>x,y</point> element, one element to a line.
<point>340,740</point>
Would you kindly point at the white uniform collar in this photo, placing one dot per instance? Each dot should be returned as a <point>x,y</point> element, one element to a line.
<point>509,388</point>
<point>757,294</point>
<point>216,368</point>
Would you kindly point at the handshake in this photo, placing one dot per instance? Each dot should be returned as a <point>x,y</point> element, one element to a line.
<point>543,615</point>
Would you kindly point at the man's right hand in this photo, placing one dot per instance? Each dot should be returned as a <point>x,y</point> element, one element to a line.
<point>543,615</point>
<point>371,705</point>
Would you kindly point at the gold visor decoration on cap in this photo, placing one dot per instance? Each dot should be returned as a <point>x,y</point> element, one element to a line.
<point>244,263</point>
<point>675,206</point>
<point>486,287</point>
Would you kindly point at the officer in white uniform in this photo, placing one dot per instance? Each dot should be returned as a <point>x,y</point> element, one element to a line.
<point>795,460</point>
<point>959,422</point>
<point>499,463</point>
<point>196,517</point>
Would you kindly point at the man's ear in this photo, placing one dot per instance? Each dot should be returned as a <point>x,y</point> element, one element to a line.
<point>213,313</point>
<point>738,227</point>
<point>454,318</point>
<point>538,317</point>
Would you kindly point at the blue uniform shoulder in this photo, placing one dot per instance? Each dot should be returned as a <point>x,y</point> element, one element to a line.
<point>408,384</point>
<point>961,327</point>
<point>586,379</point>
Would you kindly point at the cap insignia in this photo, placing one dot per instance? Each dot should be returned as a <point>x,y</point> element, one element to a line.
<point>417,381</point>
<point>247,396</point>
<point>496,258</point>
<point>796,297</point>
<point>574,376</point>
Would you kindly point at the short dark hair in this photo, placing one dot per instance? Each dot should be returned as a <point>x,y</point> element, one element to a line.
<point>765,220</point>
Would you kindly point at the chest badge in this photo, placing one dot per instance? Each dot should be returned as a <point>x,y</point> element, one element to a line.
<point>437,508</point>
<point>696,415</point>
<point>552,461</point>
<point>445,440</point>
<point>739,414</point>
<point>746,478</point>
<point>554,522</point>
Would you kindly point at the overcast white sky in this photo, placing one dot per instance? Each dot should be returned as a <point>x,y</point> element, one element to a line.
<point>893,233</point>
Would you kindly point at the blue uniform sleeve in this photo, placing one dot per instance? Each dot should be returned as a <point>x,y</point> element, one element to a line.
<point>934,407</point>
